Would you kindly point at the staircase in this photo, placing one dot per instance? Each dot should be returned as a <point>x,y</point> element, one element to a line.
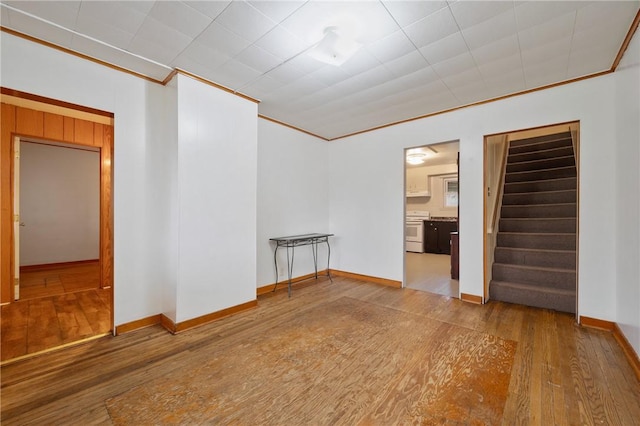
<point>535,255</point>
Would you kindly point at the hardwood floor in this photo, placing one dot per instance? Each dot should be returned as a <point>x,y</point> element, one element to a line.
<point>562,373</point>
<point>57,306</point>
<point>430,272</point>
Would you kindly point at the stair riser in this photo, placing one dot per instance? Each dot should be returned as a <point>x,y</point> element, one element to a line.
<point>536,258</point>
<point>538,225</point>
<point>556,197</point>
<point>540,165</point>
<point>541,155</point>
<point>545,278</point>
<point>539,139</point>
<point>538,241</point>
<point>562,303</point>
<point>546,185</point>
<point>551,210</point>
<point>543,146</point>
<point>540,175</point>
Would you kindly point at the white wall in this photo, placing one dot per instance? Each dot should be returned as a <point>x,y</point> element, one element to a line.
<point>37,69</point>
<point>367,200</point>
<point>431,178</point>
<point>293,197</point>
<point>217,173</point>
<point>627,193</point>
<point>59,204</point>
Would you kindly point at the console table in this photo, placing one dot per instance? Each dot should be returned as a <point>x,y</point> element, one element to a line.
<point>293,241</point>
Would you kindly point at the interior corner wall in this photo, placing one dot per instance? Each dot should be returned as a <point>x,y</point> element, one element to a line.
<point>627,193</point>
<point>217,163</point>
<point>37,69</point>
<point>59,204</point>
<point>293,197</point>
<point>367,199</point>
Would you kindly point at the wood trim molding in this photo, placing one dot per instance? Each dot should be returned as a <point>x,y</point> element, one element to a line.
<point>630,353</point>
<point>175,328</point>
<point>367,278</point>
<point>55,102</point>
<point>282,285</point>
<point>211,83</point>
<point>471,298</point>
<point>59,265</point>
<point>597,323</point>
<point>137,324</point>
<point>282,123</point>
<point>625,44</point>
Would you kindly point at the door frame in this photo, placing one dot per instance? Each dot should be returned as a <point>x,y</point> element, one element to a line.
<point>30,116</point>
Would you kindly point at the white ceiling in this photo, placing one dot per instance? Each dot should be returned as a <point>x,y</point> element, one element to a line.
<point>418,57</point>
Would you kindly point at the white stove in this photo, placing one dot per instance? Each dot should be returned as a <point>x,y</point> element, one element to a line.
<point>414,230</point>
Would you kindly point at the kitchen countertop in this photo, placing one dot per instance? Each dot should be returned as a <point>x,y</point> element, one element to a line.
<point>442,219</point>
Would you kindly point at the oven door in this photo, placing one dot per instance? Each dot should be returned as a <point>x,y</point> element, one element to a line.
<point>414,232</point>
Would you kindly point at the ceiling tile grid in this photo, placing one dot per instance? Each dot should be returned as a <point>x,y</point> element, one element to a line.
<point>416,57</point>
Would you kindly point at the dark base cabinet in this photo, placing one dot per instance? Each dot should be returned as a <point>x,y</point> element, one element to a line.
<point>437,236</point>
<point>455,256</point>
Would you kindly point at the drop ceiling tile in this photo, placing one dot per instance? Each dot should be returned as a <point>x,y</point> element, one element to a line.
<point>158,42</point>
<point>180,17</point>
<point>122,15</point>
<point>277,10</point>
<point>4,17</point>
<point>532,13</point>
<point>306,63</point>
<point>421,77</point>
<point>556,49</point>
<point>265,84</point>
<point>258,59</point>
<point>408,12</point>
<point>360,62</point>
<point>455,65</point>
<point>445,48</point>
<point>553,29</point>
<point>61,13</point>
<point>544,73</point>
<point>286,73</point>
<point>39,29</point>
<point>371,20</point>
<point>391,47</point>
<point>202,54</point>
<point>469,13</point>
<point>210,8</point>
<point>234,74</point>
<point>432,28</point>
<point>474,91</point>
<point>590,61</point>
<point>407,64</point>
<point>222,40</point>
<point>491,30</point>
<point>505,83</point>
<point>501,65</point>
<point>309,21</point>
<point>100,30</point>
<point>245,20</point>
<point>617,18</point>
<point>468,77</point>
<point>330,75</point>
<point>498,49</point>
<point>281,43</point>
<point>592,38</point>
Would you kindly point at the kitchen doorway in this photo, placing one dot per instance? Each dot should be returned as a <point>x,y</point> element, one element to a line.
<point>431,218</point>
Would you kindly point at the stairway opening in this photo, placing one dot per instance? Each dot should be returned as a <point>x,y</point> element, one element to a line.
<point>534,231</point>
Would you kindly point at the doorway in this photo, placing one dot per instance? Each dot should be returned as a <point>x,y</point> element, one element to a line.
<point>431,218</point>
<point>66,293</point>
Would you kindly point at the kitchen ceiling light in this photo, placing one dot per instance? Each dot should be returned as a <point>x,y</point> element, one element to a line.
<point>416,158</point>
<point>334,48</point>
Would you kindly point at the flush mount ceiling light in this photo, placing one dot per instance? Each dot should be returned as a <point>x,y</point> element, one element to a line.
<point>334,48</point>
<point>416,157</point>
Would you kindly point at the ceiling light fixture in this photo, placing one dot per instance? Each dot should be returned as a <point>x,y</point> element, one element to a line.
<point>334,48</point>
<point>416,158</point>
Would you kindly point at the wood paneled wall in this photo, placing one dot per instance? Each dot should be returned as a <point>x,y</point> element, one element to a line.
<point>34,124</point>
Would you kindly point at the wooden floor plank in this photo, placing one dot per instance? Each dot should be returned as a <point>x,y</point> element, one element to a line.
<point>561,372</point>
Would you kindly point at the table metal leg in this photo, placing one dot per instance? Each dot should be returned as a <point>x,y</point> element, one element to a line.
<point>290,266</point>
<point>275,262</point>
<point>314,250</point>
<point>328,260</point>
